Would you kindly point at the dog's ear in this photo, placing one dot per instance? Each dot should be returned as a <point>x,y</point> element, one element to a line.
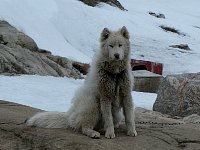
<point>125,32</point>
<point>105,34</point>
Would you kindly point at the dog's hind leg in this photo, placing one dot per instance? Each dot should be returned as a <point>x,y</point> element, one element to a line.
<point>89,122</point>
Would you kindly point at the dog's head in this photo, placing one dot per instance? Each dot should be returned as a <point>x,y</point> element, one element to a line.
<point>115,44</point>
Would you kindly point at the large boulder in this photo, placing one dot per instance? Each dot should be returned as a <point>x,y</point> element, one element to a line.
<point>14,134</point>
<point>19,54</point>
<point>11,37</point>
<point>179,95</point>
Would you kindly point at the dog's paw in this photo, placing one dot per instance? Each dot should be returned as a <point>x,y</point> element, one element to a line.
<point>95,135</point>
<point>110,133</point>
<point>132,133</point>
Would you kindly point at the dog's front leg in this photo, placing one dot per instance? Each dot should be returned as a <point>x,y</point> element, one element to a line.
<point>125,83</point>
<point>129,115</point>
<point>107,94</point>
<point>107,118</point>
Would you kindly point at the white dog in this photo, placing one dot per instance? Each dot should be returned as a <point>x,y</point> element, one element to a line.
<point>106,90</point>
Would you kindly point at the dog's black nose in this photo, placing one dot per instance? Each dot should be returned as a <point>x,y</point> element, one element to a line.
<point>116,55</point>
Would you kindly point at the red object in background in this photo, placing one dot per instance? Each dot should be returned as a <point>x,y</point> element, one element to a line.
<point>147,65</point>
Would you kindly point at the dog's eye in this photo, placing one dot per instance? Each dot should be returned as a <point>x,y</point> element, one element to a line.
<point>120,45</point>
<point>111,46</point>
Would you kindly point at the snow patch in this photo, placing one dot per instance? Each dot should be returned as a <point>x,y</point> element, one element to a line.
<point>52,93</point>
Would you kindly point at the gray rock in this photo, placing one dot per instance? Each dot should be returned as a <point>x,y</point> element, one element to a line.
<point>179,95</point>
<point>12,37</point>
<point>194,118</point>
<point>181,46</point>
<point>14,134</point>
<point>149,116</point>
<point>157,15</point>
<point>114,3</point>
<point>19,54</point>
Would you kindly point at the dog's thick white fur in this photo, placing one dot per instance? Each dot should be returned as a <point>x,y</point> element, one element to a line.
<point>106,90</point>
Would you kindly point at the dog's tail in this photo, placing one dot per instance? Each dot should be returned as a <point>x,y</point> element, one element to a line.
<point>49,120</point>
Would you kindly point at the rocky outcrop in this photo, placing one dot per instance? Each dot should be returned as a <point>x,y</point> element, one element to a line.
<point>19,54</point>
<point>181,46</point>
<point>173,30</point>
<point>157,15</point>
<point>82,67</point>
<point>114,3</point>
<point>14,134</point>
<point>179,95</point>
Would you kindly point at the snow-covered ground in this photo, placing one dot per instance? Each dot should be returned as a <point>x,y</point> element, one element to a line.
<point>52,93</point>
<point>70,28</point>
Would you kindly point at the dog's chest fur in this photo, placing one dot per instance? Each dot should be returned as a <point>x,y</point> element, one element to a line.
<point>114,67</point>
